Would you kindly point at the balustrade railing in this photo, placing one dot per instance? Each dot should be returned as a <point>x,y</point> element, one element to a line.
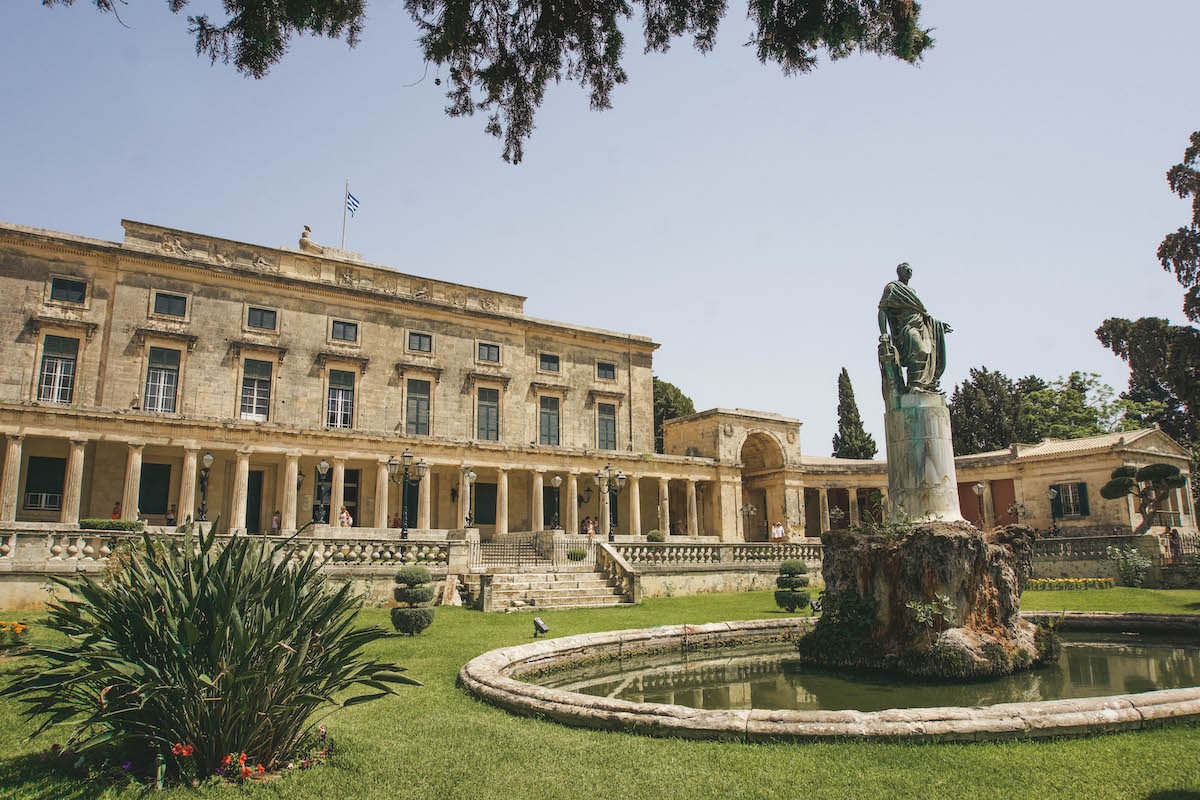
<point>1082,548</point>
<point>666,554</point>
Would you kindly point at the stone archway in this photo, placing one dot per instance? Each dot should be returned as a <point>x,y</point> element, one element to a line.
<point>762,461</point>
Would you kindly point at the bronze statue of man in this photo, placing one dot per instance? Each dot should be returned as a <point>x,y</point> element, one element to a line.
<point>917,341</point>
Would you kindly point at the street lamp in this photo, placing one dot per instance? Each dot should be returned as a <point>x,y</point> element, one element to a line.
<point>207,461</point>
<point>402,479</point>
<point>1051,494</point>
<point>557,482</point>
<point>322,471</point>
<point>610,481</point>
<point>470,475</point>
<point>300,476</point>
<point>979,487</point>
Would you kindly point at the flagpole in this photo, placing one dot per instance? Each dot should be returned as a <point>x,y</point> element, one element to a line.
<point>345,205</point>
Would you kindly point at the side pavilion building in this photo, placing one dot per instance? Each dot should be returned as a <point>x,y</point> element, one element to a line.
<point>125,366</point>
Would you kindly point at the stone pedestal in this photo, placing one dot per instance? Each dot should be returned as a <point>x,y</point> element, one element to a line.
<point>920,454</point>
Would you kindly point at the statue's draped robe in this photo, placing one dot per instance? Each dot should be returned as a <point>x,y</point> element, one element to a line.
<point>919,338</point>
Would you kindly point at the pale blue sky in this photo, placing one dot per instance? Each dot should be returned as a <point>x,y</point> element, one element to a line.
<point>744,220</point>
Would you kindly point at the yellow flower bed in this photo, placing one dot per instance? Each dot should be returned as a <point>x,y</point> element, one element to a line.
<point>1050,584</point>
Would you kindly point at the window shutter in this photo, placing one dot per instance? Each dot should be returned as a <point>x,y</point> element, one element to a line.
<point>1083,500</point>
<point>1056,503</point>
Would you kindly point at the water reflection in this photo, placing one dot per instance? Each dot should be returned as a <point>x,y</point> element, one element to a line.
<point>766,676</point>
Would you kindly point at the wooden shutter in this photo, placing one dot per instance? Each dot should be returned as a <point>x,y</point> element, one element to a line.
<point>1056,504</point>
<point>1083,500</point>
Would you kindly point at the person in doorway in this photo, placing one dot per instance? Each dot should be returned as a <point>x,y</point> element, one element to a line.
<point>276,521</point>
<point>589,526</point>
<point>172,516</point>
<point>116,512</point>
<point>395,523</point>
<point>344,518</point>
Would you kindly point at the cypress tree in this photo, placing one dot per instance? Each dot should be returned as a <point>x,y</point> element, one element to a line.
<point>851,439</point>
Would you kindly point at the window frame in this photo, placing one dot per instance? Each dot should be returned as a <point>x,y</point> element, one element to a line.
<point>44,505</point>
<point>241,389</point>
<point>558,435</point>
<point>596,370</point>
<point>1076,511</point>
<point>431,382</point>
<point>248,328</point>
<point>331,339</point>
<point>480,344</point>
<point>178,375</point>
<point>153,313</point>
<point>49,299</point>
<point>332,366</point>
<point>499,390</point>
<point>544,371</point>
<point>40,366</point>
<point>408,334</point>
<point>616,416</point>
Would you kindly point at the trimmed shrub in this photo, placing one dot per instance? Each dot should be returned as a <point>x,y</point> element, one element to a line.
<point>112,524</point>
<point>195,653</point>
<point>793,567</point>
<point>791,581</point>
<point>576,554</point>
<point>790,599</point>
<point>656,536</point>
<point>413,590</point>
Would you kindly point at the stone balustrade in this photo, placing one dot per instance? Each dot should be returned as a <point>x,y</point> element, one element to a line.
<point>673,555</point>
<point>1080,548</point>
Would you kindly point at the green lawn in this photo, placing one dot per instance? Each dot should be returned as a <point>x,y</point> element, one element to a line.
<point>435,742</point>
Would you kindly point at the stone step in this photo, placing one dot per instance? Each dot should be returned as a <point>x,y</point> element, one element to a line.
<point>545,577</point>
<point>606,591</point>
<point>580,602</point>
<point>564,606</point>
<point>570,586</point>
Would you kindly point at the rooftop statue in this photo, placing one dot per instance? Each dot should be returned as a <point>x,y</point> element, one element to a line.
<point>917,342</point>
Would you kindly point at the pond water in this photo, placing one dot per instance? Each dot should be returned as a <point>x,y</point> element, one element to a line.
<point>767,676</point>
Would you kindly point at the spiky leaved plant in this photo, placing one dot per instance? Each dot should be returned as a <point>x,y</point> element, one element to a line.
<point>228,649</point>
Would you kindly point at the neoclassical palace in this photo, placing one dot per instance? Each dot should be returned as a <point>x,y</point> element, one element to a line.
<point>179,371</point>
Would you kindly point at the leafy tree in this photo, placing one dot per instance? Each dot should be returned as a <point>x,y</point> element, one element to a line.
<point>502,54</point>
<point>1180,251</point>
<point>669,403</point>
<point>1080,405</point>
<point>990,411</point>
<point>1151,486</point>
<point>851,439</point>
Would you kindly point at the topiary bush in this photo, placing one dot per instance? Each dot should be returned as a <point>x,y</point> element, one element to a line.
<point>193,653</point>
<point>792,579</point>
<point>111,524</point>
<point>656,536</point>
<point>413,591</point>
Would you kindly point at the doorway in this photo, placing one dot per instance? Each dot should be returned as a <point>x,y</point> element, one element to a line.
<point>254,490</point>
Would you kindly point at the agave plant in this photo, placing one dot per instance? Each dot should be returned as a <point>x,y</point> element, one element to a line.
<point>229,649</point>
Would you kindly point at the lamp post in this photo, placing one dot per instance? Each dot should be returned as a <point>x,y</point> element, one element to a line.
<point>557,483</point>
<point>204,471</point>
<point>322,471</point>
<point>979,488</point>
<point>402,479</point>
<point>300,476</point>
<point>1051,494</point>
<point>610,481</point>
<point>470,475</point>
<point>747,511</point>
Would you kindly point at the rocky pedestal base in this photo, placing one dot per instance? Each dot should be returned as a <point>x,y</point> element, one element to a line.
<point>940,601</point>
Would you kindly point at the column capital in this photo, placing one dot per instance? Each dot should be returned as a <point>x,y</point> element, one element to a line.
<point>335,460</point>
<point>244,452</point>
<point>136,445</point>
<point>296,454</point>
<point>78,442</point>
<point>15,437</point>
<point>191,449</point>
<point>502,470</point>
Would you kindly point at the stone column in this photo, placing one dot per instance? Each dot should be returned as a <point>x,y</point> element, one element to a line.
<point>922,478</point>
<point>381,494</point>
<point>989,511</point>
<point>337,492</point>
<point>464,497</point>
<point>133,482</point>
<point>12,477</point>
<point>241,481</point>
<point>572,502</point>
<point>187,485</point>
<point>605,514</point>
<point>693,517</point>
<point>824,493</point>
<point>635,505</point>
<point>291,473</point>
<point>854,512</point>
<point>73,490</point>
<point>664,505</point>
<point>501,501</point>
<point>423,494</point>
<point>539,509</point>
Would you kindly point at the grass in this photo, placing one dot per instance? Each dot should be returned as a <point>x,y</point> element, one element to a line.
<point>436,742</point>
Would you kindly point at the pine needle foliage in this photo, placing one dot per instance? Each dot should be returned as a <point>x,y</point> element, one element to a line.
<point>851,439</point>
<point>224,649</point>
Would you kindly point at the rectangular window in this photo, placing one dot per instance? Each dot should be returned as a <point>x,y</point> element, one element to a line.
<point>162,380</point>
<point>606,438</point>
<point>416,417</point>
<point>172,305</point>
<point>56,383</point>
<point>547,362</point>
<point>489,352</point>
<point>420,342</point>
<point>606,371</point>
<point>44,478</point>
<point>1072,500</point>
<point>154,488</point>
<point>489,414</point>
<point>65,290</point>
<point>256,390</point>
<point>341,399</point>
<point>345,331</point>
<point>548,420</point>
<point>262,318</point>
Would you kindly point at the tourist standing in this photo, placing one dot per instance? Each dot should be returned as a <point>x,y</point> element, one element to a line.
<point>172,516</point>
<point>116,512</point>
<point>344,518</point>
<point>276,521</point>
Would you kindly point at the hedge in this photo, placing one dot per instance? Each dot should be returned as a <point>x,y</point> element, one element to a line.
<point>112,524</point>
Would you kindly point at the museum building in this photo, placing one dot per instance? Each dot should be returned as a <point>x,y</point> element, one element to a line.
<point>185,373</point>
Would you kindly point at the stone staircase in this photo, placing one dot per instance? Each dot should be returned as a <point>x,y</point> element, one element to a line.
<point>550,589</point>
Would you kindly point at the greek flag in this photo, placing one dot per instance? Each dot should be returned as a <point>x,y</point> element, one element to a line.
<point>351,203</point>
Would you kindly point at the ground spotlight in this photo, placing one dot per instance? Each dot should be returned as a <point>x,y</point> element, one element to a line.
<point>539,627</point>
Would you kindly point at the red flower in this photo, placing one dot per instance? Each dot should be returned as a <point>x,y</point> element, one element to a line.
<point>225,761</point>
<point>188,749</point>
<point>260,769</point>
<point>242,760</point>
<point>246,772</point>
<point>176,749</point>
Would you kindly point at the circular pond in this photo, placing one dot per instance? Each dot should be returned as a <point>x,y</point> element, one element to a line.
<point>767,675</point>
<point>734,681</point>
